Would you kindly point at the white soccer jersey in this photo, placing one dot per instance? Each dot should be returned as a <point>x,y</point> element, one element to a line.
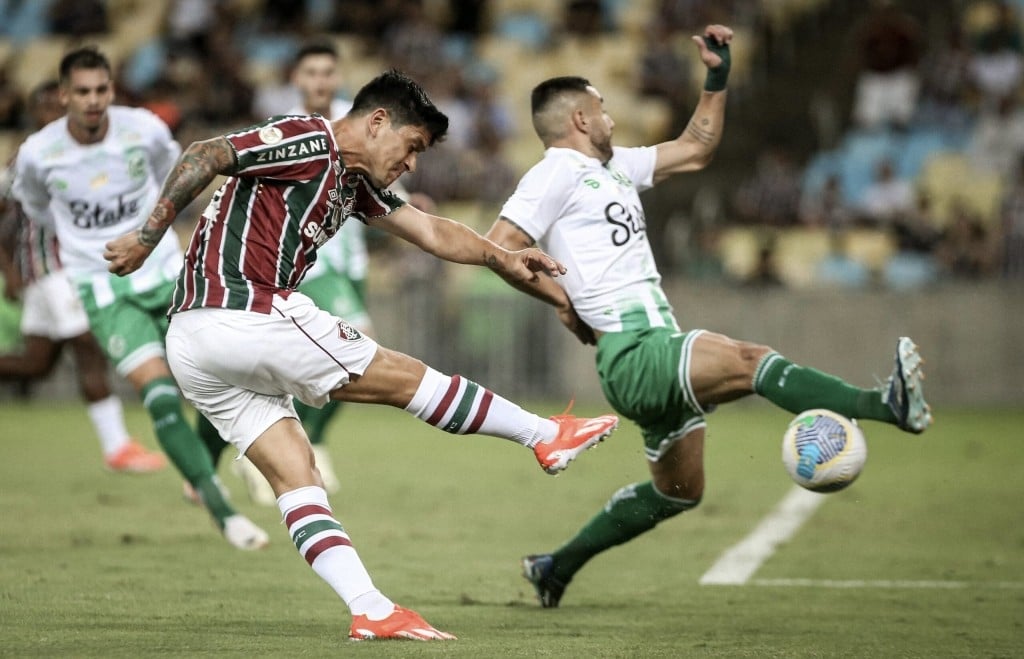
<point>92,193</point>
<point>589,217</point>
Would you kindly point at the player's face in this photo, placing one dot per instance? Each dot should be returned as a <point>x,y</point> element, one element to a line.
<point>316,78</point>
<point>86,95</point>
<point>395,152</point>
<point>601,125</point>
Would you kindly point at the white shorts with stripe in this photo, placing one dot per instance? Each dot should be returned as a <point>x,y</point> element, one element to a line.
<point>241,368</point>
<point>51,308</point>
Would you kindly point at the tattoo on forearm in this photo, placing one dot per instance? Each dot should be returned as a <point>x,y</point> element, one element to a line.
<point>196,168</point>
<point>699,130</point>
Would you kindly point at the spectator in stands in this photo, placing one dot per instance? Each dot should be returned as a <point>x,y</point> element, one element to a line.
<point>997,65</point>
<point>414,44</point>
<point>584,19</point>
<point>997,140</point>
<point>917,235</point>
<point>772,195</point>
<point>664,74</point>
<point>888,198</point>
<point>11,101</point>
<point>945,80</point>
<point>965,250</point>
<point>889,46</point>
<point>826,207</point>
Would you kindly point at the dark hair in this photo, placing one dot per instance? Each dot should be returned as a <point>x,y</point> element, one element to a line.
<point>551,88</point>
<point>315,48</point>
<point>406,103</point>
<point>87,57</point>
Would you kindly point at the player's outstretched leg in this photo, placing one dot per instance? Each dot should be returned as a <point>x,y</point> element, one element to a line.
<point>796,388</point>
<point>460,406</point>
<point>904,392</point>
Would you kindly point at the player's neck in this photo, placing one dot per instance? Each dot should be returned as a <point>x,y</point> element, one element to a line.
<point>87,135</point>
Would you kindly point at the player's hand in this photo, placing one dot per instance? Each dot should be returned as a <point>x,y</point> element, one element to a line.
<point>526,263</point>
<point>714,45</point>
<point>574,324</point>
<point>126,254</point>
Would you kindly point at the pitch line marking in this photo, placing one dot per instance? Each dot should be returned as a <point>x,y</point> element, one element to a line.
<point>739,563</point>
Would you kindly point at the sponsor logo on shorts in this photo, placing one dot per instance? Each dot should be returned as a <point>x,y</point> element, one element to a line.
<point>347,332</point>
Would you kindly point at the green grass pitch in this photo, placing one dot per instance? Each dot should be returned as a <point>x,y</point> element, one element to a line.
<point>927,548</point>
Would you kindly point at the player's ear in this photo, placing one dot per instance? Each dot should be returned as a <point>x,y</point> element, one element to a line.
<point>376,120</point>
<point>579,120</point>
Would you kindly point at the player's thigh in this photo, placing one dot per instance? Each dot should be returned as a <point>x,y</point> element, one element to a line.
<point>392,378</point>
<point>679,472</point>
<point>297,349</point>
<point>51,308</point>
<point>722,369</point>
<point>645,377</point>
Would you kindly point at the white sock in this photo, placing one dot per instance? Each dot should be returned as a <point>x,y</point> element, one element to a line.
<point>327,548</point>
<point>460,406</point>
<point>108,420</point>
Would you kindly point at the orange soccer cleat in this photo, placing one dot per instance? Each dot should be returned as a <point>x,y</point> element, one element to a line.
<point>133,458</point>
<point>401,624</point>
<point>575,435</point>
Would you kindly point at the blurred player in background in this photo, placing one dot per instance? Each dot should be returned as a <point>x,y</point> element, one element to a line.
<point>582,203</point>
<point>91,176</point>
<point>53,317</point>
<point>243,342</point>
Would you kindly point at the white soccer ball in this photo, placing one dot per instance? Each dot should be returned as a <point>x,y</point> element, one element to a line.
<point>823,451</point>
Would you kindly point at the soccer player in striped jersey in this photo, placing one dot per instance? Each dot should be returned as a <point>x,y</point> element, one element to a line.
<point>243,342</point>
<point>53,317</point>
<point>582,203</point>
<point>92,175</point>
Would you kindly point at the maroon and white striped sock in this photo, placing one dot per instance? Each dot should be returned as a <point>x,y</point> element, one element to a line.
<point>462,407</point>
<point>324,544</point>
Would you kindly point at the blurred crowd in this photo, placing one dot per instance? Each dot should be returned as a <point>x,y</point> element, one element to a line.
<point>919,180</point>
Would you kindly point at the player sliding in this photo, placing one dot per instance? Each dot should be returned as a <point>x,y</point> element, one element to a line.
<point>581,202</point>
<point>243,342</point>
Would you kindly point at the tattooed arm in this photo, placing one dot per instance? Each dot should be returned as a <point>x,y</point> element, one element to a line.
<point>197,167</point>
<point>696,145</point>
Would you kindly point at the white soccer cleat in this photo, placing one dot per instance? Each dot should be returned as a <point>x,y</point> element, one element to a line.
<point>243,534</point>
<point>256,485</point>
<point>904,392</point>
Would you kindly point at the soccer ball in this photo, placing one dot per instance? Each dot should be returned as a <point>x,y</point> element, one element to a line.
<point>823,451</point>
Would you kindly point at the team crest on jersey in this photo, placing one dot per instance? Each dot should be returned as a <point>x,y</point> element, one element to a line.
<point>348,333</point>
<point>136,160</point>
<point>271,135</point>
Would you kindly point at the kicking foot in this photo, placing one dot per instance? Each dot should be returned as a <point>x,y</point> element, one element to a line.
<point>538,569</point>
<point>904,393</point>
<point>575,435</point>
<point>401,624</point>
<point>134,458</point>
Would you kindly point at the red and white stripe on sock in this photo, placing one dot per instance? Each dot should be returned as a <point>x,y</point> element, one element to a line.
<point>322,541</point>
<point>462,407</point>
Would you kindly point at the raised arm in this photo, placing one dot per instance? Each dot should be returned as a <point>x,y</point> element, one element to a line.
<point>456,242</point>
<point>696,145</point>
<point>197,167</point>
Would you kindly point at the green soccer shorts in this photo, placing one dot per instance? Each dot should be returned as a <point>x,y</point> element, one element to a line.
<point>131,328</point>
<point>645,375</point>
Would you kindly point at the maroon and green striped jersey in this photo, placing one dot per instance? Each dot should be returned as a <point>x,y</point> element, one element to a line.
<point>260,232</point>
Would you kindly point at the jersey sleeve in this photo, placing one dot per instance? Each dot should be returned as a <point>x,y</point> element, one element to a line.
<point>638,164</point>
<point>371,202</point>
<point>538,200</point>
<point>286,148</point>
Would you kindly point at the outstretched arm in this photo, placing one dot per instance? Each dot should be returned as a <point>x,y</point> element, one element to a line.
<point>197,167</point>
<point>456,242</point>
<point>696,145</point>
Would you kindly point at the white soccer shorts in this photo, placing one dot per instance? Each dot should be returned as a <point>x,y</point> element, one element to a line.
<point>51,308</point>
<point>241,368</point>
